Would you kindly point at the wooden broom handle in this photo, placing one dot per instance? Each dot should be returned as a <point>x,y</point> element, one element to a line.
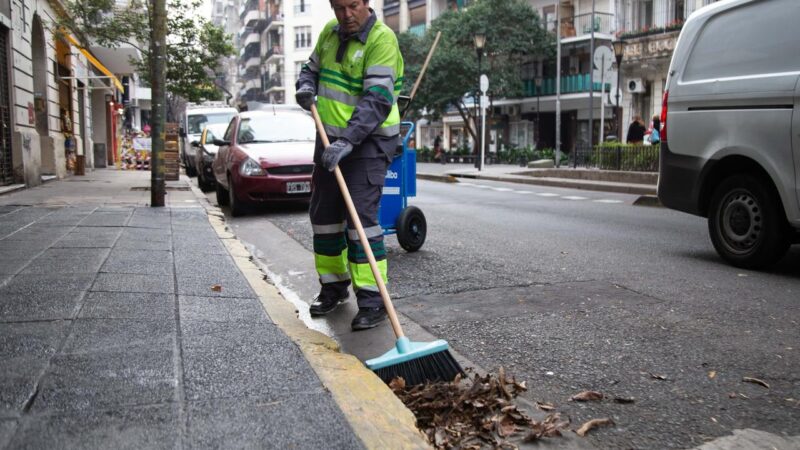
<point>351,209</point>
<point>424,66</point>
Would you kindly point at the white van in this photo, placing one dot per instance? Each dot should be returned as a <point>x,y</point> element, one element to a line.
<point>193,120</point>
<point>730,148</point>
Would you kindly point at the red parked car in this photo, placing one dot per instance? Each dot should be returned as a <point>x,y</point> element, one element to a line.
<point>266,155</point>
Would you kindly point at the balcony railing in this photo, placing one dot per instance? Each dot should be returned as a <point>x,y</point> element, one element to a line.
<point>252,18</point>
<point>275,82</point>
<point>570,84</point>
<point>274,19</point>
<point>276,50</point>
<point>581,24</point>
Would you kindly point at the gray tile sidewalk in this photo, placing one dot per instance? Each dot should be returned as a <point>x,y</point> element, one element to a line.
<point>111,336</point>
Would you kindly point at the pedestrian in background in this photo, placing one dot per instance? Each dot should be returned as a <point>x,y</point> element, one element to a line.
<point>635,131</point>
<point>655,132</point>
<point>438,154</point>
<point>355,72</point>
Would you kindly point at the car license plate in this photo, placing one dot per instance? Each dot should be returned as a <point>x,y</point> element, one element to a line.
<point>298,187</point>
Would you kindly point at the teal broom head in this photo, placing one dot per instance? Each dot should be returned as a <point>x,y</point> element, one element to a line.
<point>416,362</point>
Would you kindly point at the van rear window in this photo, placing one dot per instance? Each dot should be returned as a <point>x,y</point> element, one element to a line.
<point>758,38</point>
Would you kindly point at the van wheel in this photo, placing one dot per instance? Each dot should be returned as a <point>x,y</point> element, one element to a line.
<point>747,224</point>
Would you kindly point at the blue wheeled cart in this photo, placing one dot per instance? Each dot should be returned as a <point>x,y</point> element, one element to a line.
<point>396,216</point>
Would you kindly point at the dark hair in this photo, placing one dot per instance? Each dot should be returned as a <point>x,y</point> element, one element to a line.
<point>656,123</point>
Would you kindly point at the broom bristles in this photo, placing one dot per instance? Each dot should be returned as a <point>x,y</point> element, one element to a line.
<point>439,366</point>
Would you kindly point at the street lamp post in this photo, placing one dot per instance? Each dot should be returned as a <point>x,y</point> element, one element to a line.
<point>537,81</point>
<point>480,42</point>
<point>619,48</point>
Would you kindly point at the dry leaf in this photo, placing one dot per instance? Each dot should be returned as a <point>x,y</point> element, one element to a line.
<point>398,383</point>
<point>712,374</point>
<point>713,419</point>
<point>593,424</point>
<point>587,396</point>
<point>658,377</point>
<point>545,406</point>
<point>216,288</point>
<point>624,399</point>
<point>755,381</point>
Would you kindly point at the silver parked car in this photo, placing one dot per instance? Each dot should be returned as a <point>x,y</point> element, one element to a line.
<point>730,148</point>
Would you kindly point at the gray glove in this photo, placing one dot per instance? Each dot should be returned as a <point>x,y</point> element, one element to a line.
<point>305,96</point>
<point>335,152</point>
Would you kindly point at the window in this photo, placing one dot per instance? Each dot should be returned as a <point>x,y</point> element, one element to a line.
<point>302,37</point>
<point>302,7</point>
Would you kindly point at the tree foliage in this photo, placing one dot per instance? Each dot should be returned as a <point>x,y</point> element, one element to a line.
<point>194,45</point>
<point>515,35</point>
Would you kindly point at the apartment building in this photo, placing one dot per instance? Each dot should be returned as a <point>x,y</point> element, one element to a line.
<point>274,39</point>
<point>225,14</point>
<point>648,29</point>
<point>58,100</point>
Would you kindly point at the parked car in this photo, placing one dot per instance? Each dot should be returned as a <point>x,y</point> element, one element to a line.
<point>265,156</point>
<point>731,120</point>
<point>205,150</point>
<point>193,120</point>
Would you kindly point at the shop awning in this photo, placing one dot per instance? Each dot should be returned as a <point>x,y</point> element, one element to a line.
<point>95,62</point>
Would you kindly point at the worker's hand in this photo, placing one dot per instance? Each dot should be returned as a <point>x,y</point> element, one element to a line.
<point>305,96</point>
<point>335,152</point>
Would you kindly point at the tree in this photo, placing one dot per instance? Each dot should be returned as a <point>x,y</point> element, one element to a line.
<point>514,36</point>
<point>194,45</point>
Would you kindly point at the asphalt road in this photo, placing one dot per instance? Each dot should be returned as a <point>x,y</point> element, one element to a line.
<point>576,290</point>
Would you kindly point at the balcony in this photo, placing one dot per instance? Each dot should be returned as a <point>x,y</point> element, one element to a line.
<point>275,83</point>
<point>254,19</point>
<point>247,6</point>
<point>570,84</point>
<point>249,64</point>
<point>580,26</point>
<point>250,38</point>
<point>274,20</point>
<point>276,51</point>
<point>250,85</point>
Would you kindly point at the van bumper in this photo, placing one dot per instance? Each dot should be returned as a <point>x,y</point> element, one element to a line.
<point>680,180</point>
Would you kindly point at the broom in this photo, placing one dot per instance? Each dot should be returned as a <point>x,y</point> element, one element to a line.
<point>416,362</point>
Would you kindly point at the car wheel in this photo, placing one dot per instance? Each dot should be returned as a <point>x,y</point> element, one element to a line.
<point>203,183</point>
<point>746,223</point>
<point>190,170</point>
<point>411,229</point>
<point>222,195</point>
<point>236,205</point>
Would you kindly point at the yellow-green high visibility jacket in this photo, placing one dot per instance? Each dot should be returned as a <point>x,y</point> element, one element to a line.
<point>357,79</point>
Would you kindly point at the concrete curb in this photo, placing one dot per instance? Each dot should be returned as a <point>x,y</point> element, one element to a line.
<point>376,415</point>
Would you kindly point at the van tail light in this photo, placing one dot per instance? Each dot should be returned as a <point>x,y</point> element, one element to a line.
<point>664,116</point>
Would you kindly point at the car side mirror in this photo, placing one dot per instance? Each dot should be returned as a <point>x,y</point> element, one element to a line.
<point>220,142</point>
<point>403,102</point>
<point>195,144</point>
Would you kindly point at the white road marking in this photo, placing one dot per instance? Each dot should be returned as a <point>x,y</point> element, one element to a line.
<point>541,194</point>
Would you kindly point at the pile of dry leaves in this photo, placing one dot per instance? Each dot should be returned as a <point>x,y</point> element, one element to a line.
<point>474,412</point>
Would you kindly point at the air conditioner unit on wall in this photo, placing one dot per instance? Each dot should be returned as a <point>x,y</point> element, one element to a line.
<point>635,86</point>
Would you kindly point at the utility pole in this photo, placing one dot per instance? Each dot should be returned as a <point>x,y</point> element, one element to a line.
<point>158,81</point>
<point>558,83</point>
<point>591,91</point>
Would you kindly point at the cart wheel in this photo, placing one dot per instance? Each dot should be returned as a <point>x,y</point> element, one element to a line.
<point>411,228</point>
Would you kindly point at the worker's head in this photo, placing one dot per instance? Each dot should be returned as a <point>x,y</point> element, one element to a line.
<point>351,14</point>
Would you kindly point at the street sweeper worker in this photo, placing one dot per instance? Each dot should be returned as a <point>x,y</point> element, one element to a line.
<point>356,73</point>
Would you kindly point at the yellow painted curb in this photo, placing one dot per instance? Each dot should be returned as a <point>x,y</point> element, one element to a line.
<point>376,415</point>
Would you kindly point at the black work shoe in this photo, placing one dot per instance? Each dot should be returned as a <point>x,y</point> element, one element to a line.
<point>323,305</point>
<point>368,318</point>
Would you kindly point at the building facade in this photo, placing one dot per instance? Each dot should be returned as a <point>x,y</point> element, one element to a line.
<point>57,99</point>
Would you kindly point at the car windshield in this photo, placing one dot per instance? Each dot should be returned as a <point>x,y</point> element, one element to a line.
<point>199,121</point>
<point>288,127</point>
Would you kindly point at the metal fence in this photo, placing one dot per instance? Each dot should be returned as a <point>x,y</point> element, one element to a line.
<point>634,158</point>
